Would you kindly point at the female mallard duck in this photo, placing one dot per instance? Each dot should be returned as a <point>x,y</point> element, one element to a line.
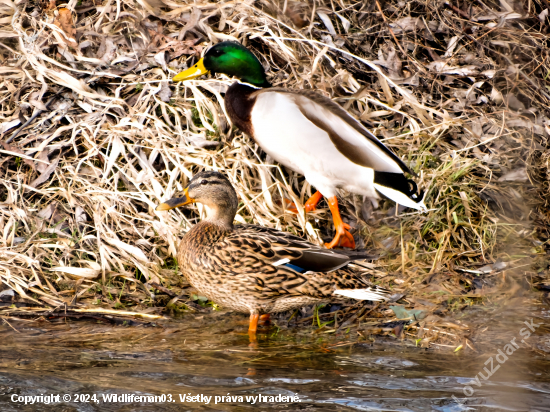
<point>256,269</point>
<point>309,134</point>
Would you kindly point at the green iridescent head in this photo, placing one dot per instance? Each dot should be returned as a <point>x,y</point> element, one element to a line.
<point>230,58</point>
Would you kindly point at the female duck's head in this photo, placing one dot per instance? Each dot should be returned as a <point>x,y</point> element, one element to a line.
<point>230,58</point>
<point>214,191</point>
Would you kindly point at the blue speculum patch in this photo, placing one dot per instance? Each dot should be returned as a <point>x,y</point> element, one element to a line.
<point>295,268</point>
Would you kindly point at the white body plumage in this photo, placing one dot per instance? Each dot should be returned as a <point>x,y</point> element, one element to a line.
<point>283,127</point>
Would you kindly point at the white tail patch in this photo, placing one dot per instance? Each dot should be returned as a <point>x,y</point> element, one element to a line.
<point>400,198</point>
<point>281,262</point>
<point>363,294</point>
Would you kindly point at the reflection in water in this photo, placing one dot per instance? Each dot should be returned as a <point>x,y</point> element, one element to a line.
<point>211,357</point>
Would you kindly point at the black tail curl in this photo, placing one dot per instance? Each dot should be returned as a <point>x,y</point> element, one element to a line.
<point>414,193</point>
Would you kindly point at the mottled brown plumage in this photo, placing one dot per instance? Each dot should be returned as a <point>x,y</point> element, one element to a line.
<point>244,267</point>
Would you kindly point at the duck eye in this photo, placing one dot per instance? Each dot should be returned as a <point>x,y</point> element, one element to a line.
<point>204,182</point>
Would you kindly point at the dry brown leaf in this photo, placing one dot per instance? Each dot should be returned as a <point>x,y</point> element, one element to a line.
<point>43,155</point>
<point>4,127</point>
<point>19,151</point>
<point>444,67</point>
<point>165,93</point>
<point>406,24</point>
<point>64,21</point>
<point>78,272</point>
<point>513,102</point>
<point>45,174</point>
<point>48,211</point>
<point>517,175</point>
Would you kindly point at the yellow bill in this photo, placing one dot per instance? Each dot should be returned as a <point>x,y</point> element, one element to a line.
<point>175,202</point>
<point>191,73</point>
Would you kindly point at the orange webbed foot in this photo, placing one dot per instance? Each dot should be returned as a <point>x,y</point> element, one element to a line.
<point>343,237</point>
<point>265,319</point>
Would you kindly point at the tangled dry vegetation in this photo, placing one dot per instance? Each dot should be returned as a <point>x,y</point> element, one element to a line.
<point>94,135</point>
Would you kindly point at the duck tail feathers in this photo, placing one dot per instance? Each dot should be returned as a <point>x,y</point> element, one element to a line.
<point>374,293</point>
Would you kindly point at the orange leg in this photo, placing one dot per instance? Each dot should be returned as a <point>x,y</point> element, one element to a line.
<point>311,203</point>
<point>252,328</point>
<point>309,206</point>
<point>290,206</point>
<point>343,237</point>
<point>265,319</point>
<point>253,325</point>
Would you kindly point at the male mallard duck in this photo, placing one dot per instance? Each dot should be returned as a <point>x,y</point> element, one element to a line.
<point>309,134</point>
<point>256,269</point>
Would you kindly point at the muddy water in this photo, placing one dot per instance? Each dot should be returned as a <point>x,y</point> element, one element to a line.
<point>209,355</point>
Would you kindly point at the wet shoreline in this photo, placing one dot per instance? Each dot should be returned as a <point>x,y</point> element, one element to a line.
<point>209,355</point>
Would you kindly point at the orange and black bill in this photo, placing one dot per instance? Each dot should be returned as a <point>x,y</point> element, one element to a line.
<point>176,202</point>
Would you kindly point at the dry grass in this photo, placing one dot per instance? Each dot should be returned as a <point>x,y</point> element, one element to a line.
<point>457,89</point>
